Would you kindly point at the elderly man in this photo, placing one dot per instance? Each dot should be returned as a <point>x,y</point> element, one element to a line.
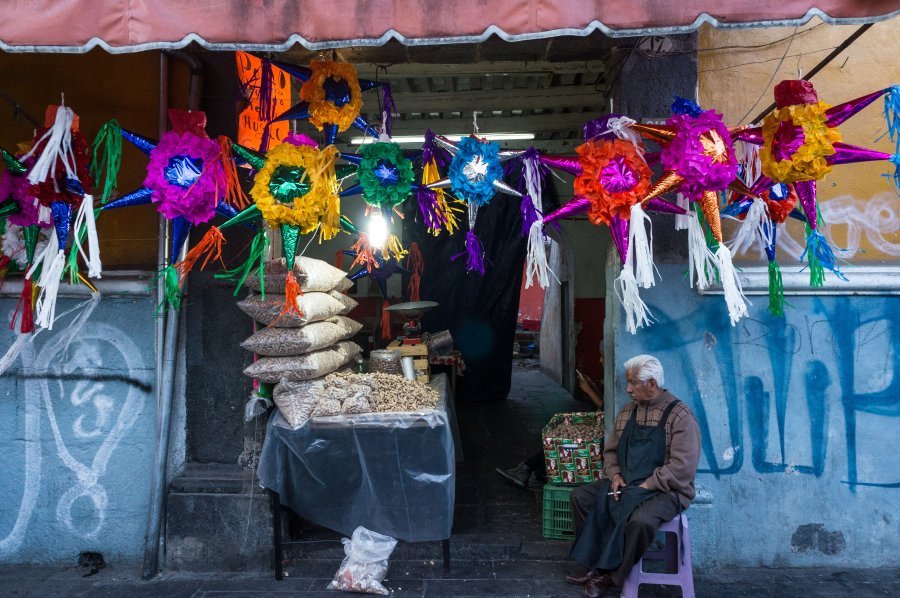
<point>649,464</point>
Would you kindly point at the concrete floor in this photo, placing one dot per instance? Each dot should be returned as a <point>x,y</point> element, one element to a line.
<point>497,547</point>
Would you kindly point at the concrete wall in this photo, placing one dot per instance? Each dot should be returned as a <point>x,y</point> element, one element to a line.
<point>798,418</point>
<point>797,413</point>
<point>77,430</point>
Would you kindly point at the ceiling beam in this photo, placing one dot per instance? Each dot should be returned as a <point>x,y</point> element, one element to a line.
<point>572,96</point>
<point>477,69</point>
<point>545,123</point>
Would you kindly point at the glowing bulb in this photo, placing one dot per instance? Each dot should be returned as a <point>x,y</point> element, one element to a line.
<point>378,231</point>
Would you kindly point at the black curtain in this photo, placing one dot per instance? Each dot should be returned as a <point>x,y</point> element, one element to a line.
<point>479,311</point>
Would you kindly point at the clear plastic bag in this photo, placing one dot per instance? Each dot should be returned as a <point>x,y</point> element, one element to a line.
<point>366,563</point>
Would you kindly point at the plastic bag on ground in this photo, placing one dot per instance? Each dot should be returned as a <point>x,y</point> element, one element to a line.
<point>366,563</point>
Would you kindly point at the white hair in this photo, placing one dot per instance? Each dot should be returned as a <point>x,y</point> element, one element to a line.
<point>646,367</point>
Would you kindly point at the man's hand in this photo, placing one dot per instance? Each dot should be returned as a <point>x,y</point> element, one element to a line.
<point>618,482</point>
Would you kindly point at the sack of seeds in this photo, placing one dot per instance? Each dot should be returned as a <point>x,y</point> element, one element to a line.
<point>296,400</point>
<point>283,342</point>
<point>314,306</point>
<point>348,302</point>
<point>348,327</point>
<point>298,367</point>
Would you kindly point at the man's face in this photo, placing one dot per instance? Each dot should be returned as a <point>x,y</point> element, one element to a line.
<point>641,392</point>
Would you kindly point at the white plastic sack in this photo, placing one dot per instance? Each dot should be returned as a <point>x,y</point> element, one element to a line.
<point>366,563</point>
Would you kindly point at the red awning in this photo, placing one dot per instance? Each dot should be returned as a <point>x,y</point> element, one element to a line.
<point>276,25</point>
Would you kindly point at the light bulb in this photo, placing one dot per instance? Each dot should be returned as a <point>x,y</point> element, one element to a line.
<point>378,231</point>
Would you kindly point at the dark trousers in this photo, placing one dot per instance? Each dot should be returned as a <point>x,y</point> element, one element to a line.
<point>640,530</point>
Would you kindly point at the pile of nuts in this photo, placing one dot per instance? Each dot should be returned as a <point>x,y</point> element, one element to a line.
<point>392,393</point>
<point>584,430</point>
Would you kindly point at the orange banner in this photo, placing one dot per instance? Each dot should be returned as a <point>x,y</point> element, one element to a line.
<point>250,128</point>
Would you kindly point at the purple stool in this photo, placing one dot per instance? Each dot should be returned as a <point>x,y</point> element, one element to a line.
<point>676,553</point>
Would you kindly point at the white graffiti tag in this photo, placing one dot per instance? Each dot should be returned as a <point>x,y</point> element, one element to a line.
<point>97,349</point>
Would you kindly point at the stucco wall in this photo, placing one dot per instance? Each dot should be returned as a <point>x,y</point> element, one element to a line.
<point>798,420</point>
<point>77,431</point>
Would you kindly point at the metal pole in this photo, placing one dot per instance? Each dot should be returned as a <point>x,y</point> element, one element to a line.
<point>157,490</point>
<point>154,541</point>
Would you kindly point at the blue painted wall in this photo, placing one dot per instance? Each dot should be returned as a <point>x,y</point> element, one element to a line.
<point>799,420</point>
<point>77,436</point>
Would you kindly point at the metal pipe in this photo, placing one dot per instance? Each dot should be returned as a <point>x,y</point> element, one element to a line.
<point>154,541</point>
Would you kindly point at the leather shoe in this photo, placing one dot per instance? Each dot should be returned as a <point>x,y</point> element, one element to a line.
<point>580,580</point>
<point>598,587</point>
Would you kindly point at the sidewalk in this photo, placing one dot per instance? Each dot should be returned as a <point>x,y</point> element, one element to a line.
<point>422,579</point>
<point>497,547</point>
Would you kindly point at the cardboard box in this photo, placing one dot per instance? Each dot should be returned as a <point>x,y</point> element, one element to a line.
<point>419,353</point>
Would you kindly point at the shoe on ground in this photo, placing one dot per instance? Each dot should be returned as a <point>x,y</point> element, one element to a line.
<point>518,475</point>
<point>535,483</point>
<point>598,587</point>
<point>581,579</point>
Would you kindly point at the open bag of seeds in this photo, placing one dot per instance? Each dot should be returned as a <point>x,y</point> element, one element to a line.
<point>366,563</point>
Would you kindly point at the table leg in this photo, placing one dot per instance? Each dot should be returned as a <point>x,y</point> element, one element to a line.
<point>445,545</point>
<point>276,532</point>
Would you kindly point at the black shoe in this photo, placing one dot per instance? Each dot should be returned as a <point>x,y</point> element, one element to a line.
<point>518,475</point>
<point>535,483</point>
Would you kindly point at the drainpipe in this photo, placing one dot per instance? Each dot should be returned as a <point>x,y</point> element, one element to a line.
<point>166,340</point>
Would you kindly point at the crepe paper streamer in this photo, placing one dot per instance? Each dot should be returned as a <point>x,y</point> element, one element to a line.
<point>385,320</point>
<point>55,145</point>
<point>892,115</point>
<point>474,254</point>
<point>168,277</point>
<point>26,301</point>
<point>731,285</point>
<point>637,315</point>
<point>292,293</point>
<point>86,218</point>
<point>701,261</point>
<point>107,152</point>
<point>266,92</point>
<point>209,249</point>
<point>756,225</point>
<point>776,290</point>
<point>640,245</point>
<point>416,264</point>
<point>819,257</point>
<point>234,195</point>
<point>257,255</point>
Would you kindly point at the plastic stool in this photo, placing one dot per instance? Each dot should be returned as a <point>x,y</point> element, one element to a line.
<point>676,560</point>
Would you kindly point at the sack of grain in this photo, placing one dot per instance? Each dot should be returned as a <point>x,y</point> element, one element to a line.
<point>348,350</point>
<point>298,367</point>
<point>349,303</point>
<point>283,342</point>
<point>348,327</point>
<point>311,274</point>
<point>326,407</point>
<point>314,306</point>
<point>296,400</point>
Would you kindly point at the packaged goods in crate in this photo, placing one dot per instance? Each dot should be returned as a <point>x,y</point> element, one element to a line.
<point>573,448</point>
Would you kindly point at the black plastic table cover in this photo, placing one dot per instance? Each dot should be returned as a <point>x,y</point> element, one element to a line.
<point>393,473</point>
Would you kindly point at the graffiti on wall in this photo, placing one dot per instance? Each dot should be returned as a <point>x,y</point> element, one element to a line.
<point>832,349</point>
<point>73,382</point>
<point>866,225</point>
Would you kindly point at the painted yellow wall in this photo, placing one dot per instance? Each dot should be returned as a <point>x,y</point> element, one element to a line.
<point>735,69</point>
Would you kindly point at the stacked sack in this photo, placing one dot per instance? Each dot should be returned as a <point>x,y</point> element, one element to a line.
<point>303,346</point>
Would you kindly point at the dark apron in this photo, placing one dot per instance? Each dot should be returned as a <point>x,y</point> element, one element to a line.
<point>642,449</point>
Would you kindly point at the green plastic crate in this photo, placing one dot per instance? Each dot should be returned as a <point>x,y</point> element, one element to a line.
<point>558,512</point>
